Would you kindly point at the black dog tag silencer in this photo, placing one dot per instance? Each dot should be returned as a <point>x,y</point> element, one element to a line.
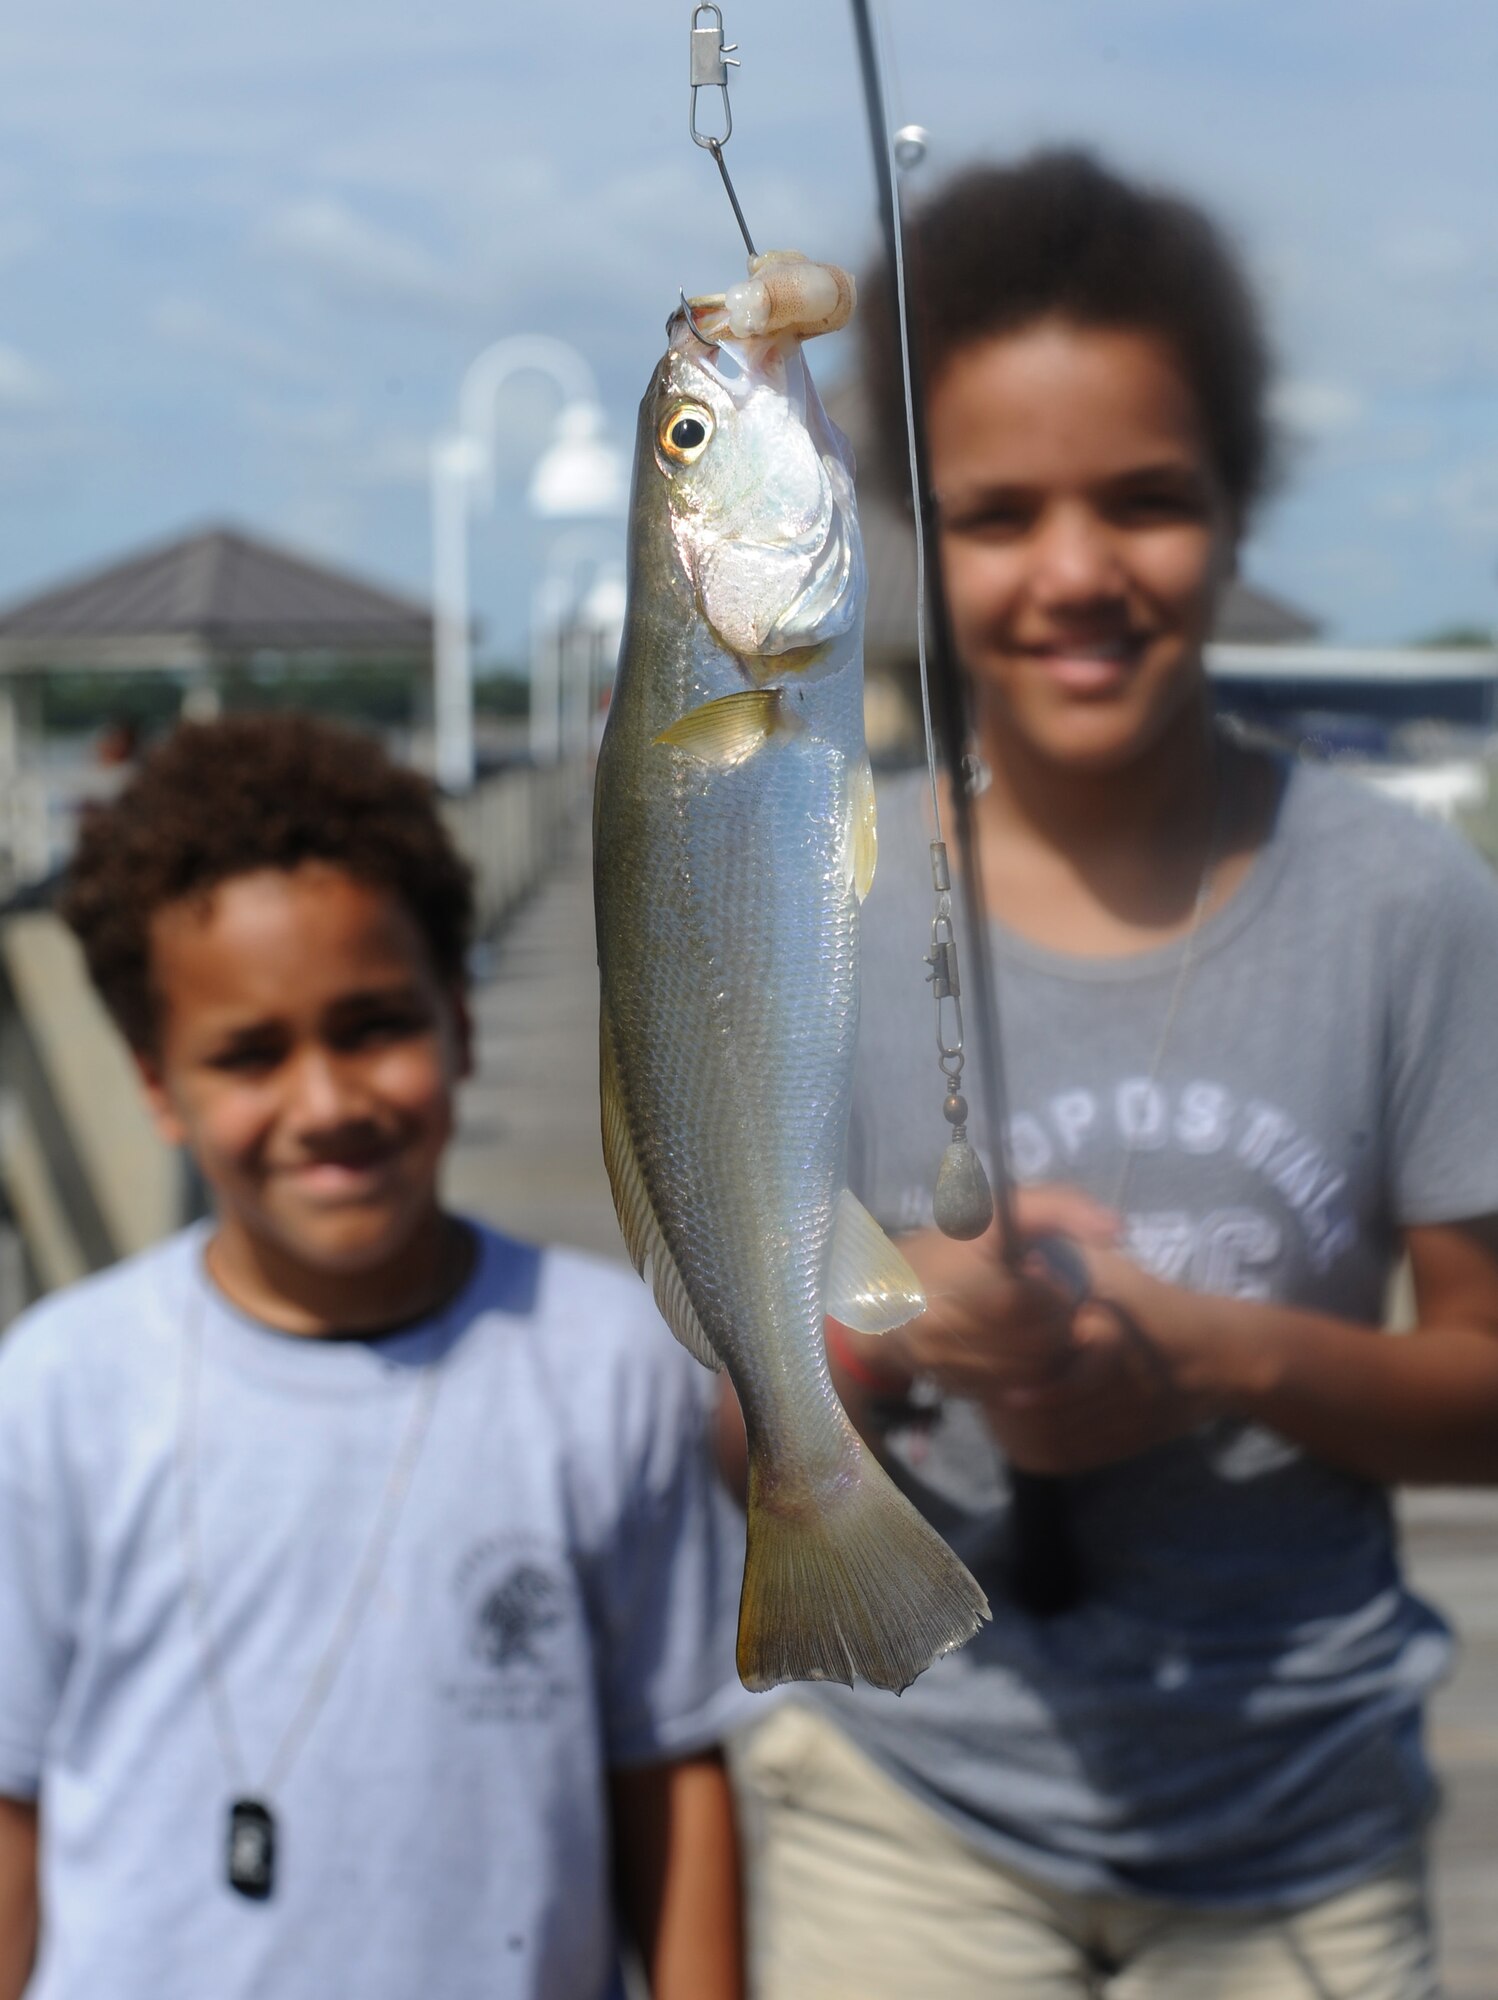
<point>252,1849</point>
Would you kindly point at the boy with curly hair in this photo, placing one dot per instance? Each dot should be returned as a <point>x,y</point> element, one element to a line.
<point>365,1603</point>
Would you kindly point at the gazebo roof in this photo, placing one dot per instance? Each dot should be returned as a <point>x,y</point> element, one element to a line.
<point>1248,616</point>
<point>202,599</point>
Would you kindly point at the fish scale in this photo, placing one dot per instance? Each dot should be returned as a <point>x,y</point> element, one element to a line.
<point>733,838</point>
<point>752,1107</point>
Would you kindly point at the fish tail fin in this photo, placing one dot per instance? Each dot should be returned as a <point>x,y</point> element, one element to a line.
<point>849,1581</point>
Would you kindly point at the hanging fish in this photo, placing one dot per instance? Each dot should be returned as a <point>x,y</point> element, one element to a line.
<point>734,841</point>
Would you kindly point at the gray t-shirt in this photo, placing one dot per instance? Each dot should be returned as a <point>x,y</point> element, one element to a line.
<point>558,1599</point>
<point>1232,1713</point>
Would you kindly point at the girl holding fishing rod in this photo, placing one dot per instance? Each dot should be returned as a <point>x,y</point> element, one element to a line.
<point>1247,1013</point>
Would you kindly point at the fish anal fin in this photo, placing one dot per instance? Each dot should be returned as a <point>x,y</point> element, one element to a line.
<point>870,1284</point>
<point>864,826</point>
<point>728,731</point>
<point>637,1219</point>
<point>847,1583</point>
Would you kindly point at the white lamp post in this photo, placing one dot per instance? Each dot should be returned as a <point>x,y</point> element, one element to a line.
<point>577,620</point>
<point>577,476</point>
<point>600,626</point>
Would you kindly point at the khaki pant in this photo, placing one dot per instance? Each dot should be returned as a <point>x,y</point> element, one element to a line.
<point>859,1893</point>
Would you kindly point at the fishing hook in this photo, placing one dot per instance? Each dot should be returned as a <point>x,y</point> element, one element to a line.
<point>712,58</point>
<point>691,319</point>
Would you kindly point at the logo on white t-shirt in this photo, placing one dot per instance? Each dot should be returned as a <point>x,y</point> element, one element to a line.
<point>518,1634</point>
<point>512,1622</point>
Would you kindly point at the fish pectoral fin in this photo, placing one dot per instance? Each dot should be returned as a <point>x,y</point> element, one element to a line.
<point>870,1285</point>
<point>637,1218</point>
<point>728,731</point>
<point>864,828</point>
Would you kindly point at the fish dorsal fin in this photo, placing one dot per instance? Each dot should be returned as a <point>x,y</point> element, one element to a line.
<point>864,829</point>
<point>642,1233</point>
<point>731,729</point>
<point>870,1286</point>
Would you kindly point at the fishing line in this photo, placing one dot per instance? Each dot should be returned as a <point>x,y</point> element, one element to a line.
<point>913,139</point>
<point>711,60</point>
<point>1045,1572</point>
<point>965,1202</point>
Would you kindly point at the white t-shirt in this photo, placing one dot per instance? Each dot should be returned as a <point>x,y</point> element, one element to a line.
<point>557,1599</point>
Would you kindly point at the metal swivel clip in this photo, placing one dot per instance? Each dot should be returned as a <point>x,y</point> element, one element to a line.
<point>712,58</point>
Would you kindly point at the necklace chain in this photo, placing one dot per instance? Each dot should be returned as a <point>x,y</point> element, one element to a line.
<point>1204,888</point>
<point>361,1590</point>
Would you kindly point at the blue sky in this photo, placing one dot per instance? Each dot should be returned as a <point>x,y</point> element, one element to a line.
<point>246,253</point>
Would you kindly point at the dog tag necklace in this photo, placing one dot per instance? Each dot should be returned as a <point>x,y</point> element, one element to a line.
<point>250,1851</point>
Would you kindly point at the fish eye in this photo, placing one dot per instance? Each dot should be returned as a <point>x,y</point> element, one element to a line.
<point>685,432</point>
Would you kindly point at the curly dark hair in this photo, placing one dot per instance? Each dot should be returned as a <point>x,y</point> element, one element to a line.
<point>220,799</point>
<point>1058,234</point>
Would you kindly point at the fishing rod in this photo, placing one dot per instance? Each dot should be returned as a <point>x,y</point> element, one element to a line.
<point>1045,1575</point>
<point>1045,1569</point>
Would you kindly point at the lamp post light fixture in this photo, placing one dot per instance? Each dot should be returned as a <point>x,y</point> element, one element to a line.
<point>579,476</point>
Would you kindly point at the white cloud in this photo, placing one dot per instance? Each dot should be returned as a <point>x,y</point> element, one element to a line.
<point>1431,251</point>
<point>327,524</point>
<point>334,444</point>
<point>23,386</point>
<point>403,458</point>
<point>18,235</point>
<point>1398,503</point>
<point>320,426</point>
<point>353,257</point>
<point>1317,410</point>
<point>193,324</point>
<point>1469,498</point>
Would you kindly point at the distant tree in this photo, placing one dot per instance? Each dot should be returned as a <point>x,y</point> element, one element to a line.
<point>76,704</point>
<point>503,692</point>
<point>380,694</point>
<point>1450,636</point>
